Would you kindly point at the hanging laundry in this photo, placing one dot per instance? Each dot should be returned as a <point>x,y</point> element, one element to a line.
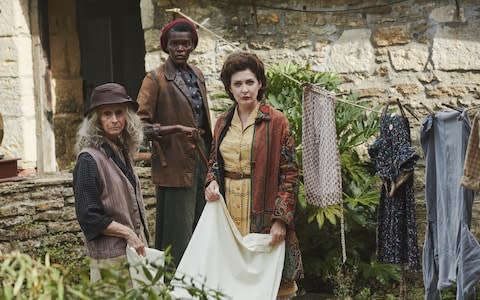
<point>321,160</point>
<point>219,257</point>
<point>451,254</point>
<point>394,159</point>
<point>471,173</point>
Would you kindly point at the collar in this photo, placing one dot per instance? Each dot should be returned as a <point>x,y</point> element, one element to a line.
<point>171,71</point>
<point>108,149</point>
<point>252,118</point>
<point>263,113</point>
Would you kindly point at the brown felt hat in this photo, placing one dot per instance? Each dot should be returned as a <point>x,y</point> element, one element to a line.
<point>110,93</point>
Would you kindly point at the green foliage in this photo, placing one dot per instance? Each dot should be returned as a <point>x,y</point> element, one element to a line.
<point>286,95</point>
<point>318,228</point>
<point>24,277</point>
<point>68,254</point>
<point>365,294</point>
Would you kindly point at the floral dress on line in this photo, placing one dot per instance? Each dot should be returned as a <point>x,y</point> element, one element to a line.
<point>393,157</point>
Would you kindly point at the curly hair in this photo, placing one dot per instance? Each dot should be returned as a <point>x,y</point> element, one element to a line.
<point>90,133</point>
<point>241,61</point>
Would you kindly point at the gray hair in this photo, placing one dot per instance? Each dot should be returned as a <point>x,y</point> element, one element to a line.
<point>90,133</point>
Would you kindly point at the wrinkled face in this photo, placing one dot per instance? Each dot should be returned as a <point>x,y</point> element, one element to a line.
<point>244,87</point>
<point>179,46</point>
<point>112,119</point>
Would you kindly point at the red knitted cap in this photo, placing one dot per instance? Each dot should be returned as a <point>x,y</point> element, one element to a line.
<point>167,27</point>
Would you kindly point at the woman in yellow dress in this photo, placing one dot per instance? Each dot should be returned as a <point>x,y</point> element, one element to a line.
<point>253,163</point>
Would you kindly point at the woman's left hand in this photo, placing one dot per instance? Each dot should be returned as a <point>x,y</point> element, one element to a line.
<point>211,192</point>
<point>278,232</point>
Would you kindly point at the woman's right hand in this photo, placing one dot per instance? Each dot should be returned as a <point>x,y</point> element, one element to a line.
<point>134,242</point>
<point>122,231</point>
<point>190,132</point>
<point>212,192</point>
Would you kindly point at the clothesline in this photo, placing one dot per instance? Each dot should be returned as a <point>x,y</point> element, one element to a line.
<point>178,11</point>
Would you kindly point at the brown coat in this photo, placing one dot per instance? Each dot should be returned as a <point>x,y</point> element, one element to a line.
<point>167,102</point>
<point>274,174</point>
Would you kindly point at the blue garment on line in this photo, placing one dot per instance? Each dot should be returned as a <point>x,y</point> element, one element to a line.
<point>451,253</point>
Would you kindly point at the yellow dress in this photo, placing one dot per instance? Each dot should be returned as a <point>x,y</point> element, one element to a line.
<point>236,151</point>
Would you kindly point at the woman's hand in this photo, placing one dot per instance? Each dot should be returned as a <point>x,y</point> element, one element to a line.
<point>211,192</point>
<point>278,232</point>
<point>190,132</point>
<point>154,131</point>
<point>134,242</point>
<point>124,232</point>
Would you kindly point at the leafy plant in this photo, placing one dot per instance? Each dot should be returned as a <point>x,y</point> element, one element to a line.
<point>70,255</point>
<point>321,243</point>
<point>24,277</point>
<point>285,94</point>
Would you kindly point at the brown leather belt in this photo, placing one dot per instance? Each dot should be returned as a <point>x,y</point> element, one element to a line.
<point>236,176</point>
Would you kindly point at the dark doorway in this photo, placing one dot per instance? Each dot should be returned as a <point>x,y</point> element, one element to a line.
<point>112,46</point>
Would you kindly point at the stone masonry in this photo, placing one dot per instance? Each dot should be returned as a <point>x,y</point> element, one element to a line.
<point>17,103</point>
<point>422,52</point>
<point>39,213</point>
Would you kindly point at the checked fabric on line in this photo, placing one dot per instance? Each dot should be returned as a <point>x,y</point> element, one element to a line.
<point>321,159</point>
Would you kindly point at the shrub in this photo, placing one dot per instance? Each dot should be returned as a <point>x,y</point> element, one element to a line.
<point>23,277</point>
<point>320,240</point>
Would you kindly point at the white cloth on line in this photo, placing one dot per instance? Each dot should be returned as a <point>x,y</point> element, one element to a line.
<point>151,261</point>
<point>240,267</point>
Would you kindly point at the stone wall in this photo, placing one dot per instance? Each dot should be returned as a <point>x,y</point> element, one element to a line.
<point>419,51</point>
<point>38,214</point>
<point>17,103</point>
<point>65,68</point>
<point>24,74</point>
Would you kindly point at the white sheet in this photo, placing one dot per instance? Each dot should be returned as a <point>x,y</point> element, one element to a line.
<point>153,258</point>
<point>240,267</point>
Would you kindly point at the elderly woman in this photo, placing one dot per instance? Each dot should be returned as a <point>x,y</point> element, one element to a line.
<point>253,163</point>
<point>108,199</point>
